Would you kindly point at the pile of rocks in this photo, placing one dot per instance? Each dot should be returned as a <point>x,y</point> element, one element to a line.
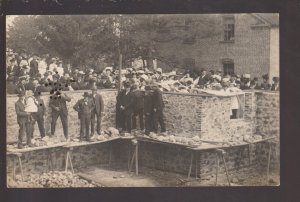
<point>53,179</point>
<point>191,141</point>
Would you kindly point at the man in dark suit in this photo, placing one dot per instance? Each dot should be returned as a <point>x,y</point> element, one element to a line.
<point>84,107</point>
<point>158,107</point>
<point>34,67</point>
<point>59,109</point>
<point>22,119</point>
<point>97,112</point>
<point>125,107</point>
<point>39,116</point>
<point>148,109</point>
<point>138,107</point>
<point>203,79</point>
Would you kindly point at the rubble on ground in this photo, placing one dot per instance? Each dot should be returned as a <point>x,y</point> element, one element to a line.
<point>57,179</point>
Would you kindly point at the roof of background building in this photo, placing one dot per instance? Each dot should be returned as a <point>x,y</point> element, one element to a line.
<point>269,18</point>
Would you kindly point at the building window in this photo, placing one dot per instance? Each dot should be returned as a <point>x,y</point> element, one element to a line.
<point>189,63</point>
<point>228,67</point>
<point>229,28</point>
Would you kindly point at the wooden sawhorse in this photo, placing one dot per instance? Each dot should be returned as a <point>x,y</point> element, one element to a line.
<point>18,156</point>
<point>134,157</point>
<point>219,154</point>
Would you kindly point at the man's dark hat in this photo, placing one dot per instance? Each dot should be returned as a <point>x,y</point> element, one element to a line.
<point>85,94</point>
<point>265,76</point>
<point>275,78</point>
<point>126,84</point>
<point>21,94</point>
<point>147,87</point>
<point>37,93</point>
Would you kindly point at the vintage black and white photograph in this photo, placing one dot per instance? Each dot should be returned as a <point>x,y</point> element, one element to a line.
<point>160,100</point>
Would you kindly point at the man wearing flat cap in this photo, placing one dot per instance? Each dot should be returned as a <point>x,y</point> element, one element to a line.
<point>97,111</point>
<point>22,119</point>
<point>84,107</point>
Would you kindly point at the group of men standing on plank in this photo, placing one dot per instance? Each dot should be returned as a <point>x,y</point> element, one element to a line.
<point>132,102</point>
<point>147,105</point>
<point>30,108</point>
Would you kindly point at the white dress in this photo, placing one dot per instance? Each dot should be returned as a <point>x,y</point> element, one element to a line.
<point>42,67</point>
<point>31,105</point>
<point>52,67</point>
<point>60,71</point>
<point>234,100</point>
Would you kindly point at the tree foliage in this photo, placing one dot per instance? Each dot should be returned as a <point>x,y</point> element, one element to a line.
<point>91,39</point>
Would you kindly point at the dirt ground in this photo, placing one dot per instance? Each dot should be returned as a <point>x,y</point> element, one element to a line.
<point>105,176</point>
<point>118,177</point>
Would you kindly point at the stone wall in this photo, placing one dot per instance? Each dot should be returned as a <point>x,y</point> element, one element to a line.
<point>36,161</point>
<point>182,114</point>
<point>267,113</point>
<point>185,115</point>
<point>216,122</point>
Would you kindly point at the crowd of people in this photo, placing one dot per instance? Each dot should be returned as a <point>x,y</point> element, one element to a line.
<point>32,72</point>
<point>140,97</point>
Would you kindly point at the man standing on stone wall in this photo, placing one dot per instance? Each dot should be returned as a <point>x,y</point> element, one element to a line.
<point>158,107</point>
<point>148,109</point>
<point>138,107</point>
<point>84,107</point>
<point>59,109</point>
<point>39,116</point>
<point>97,112</point>
<point>22,119</point>
<point>125,107</point>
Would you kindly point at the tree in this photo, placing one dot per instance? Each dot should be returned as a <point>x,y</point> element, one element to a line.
<point>91,40</point>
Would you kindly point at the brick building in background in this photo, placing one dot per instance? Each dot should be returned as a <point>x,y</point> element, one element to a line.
<point>235,43</point>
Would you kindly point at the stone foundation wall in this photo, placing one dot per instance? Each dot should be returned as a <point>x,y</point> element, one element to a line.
<point>216,122</point>
<point>267,113</point>
<point>169,158</point>
<point>182,114</point>
<point>36,161</point>
<point>185,115</point>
